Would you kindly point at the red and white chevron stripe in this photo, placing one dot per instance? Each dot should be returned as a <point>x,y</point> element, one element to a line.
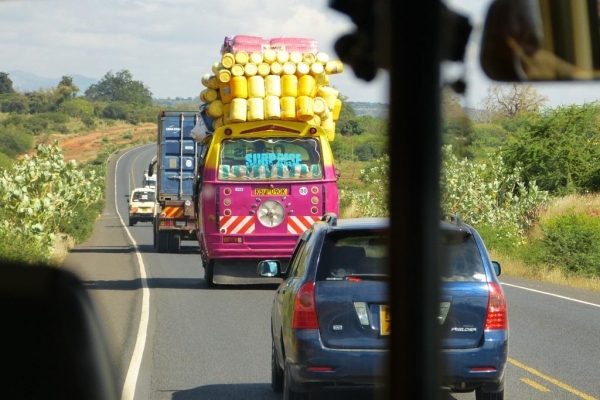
<point>297,225</point>
<point>237,224</point>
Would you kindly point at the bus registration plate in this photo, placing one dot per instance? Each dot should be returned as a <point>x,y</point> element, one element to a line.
<point>270,191</point>
<point>385,320</point>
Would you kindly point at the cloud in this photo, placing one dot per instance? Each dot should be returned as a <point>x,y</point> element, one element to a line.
<point>167,44</point>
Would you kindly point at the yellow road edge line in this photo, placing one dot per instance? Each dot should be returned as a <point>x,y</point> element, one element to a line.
<point>556,382</point>
<point>535,385</point>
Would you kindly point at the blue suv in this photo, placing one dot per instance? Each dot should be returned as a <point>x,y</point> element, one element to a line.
<point>330,319</point>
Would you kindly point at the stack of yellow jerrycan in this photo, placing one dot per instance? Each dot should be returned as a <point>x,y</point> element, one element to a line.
<point>283,78</point>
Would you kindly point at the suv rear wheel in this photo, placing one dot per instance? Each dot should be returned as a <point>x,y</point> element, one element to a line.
<point>481,395</point>
<point>288,393</point>
<point>276,372</point>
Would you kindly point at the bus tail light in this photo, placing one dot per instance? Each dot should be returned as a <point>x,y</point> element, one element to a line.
<point>233,239</point>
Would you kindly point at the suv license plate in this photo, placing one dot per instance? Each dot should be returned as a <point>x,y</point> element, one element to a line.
<point>385,320</point>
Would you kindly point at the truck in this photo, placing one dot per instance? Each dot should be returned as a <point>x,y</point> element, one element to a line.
<point>175,167</point>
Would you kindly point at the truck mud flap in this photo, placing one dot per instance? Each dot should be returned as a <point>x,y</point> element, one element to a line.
<point>240,272</point>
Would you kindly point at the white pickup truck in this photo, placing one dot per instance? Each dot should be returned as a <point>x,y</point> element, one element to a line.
<point>141,205</point>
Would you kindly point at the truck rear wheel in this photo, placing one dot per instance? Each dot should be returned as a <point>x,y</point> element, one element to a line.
<point>162,242</point>
<point>209,267</point>
<point>154,232</point>
<point>174,243</point>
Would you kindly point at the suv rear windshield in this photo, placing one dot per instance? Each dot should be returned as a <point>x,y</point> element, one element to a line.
<point>353,253</point>
<point>464,263</point>
<point>268,159</point>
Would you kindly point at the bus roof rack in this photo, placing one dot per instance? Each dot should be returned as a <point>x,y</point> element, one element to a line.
<point>330,218</point>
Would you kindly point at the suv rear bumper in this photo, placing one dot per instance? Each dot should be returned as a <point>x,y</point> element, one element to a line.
<point>356,367</point>
<point>458,364</point>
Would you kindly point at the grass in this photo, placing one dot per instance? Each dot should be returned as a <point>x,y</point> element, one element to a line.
<point>514,267</point>
<point>588,203</point>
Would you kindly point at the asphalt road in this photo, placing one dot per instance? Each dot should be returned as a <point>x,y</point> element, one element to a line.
<point>172,338</point>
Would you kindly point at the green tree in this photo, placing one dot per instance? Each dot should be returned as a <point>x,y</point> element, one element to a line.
<point>120,87</point>
<point>346,112</point>
<point>6,84</point>
<point>457,127</point>
<point>351,127</point>
<point>66,90</point>
<point>560,150</point>
<point>487,138</point>
<point>41,101</point>
<point>16,103</point>
<point>366,152</point>
<point>77,108</point>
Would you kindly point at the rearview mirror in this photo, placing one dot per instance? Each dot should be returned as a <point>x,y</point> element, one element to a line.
<point>269,269</point>
<point>541,40</point>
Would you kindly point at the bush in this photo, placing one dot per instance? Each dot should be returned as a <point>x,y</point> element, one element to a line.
<point>490,194</point>
<point>5,161</point>
<point>14,142</point>
<point>499,238</point>
<point>39,123</point>
<point>571,242</point>
<point>77,108</point>
<point>81,225</point>
<point>40,194</point>
<point>116,110</point>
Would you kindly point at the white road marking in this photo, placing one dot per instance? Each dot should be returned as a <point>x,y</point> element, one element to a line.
<point>552,294</point>
<point>140,343</point>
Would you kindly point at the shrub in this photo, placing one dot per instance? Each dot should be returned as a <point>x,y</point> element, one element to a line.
<point>14,141</point>
<point>571,242</point>
<point>81,225</point>
<point>39,194</point>
<point>5,161</point>
<point>490,194</point>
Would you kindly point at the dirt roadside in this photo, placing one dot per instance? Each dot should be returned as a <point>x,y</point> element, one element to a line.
<point>84,147</point>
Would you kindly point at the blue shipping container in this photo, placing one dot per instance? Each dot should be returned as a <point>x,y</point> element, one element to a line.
<point>178,154</point>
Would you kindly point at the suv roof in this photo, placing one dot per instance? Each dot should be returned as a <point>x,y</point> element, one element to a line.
<point>448,222</point>
<point>353,223</point>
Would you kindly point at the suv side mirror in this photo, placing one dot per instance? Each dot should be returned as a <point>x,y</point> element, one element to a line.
<point>269,268</point>
<point>497,268</point>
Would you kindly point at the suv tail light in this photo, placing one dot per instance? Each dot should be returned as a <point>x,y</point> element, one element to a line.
<point>496,314</point>
<point>305,314</point>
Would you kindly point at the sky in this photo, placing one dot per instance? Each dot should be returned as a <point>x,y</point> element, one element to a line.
<point>167,44</point>
<point>170,44</point>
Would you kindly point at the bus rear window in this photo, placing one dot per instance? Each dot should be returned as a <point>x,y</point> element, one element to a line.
<point>270,159</point>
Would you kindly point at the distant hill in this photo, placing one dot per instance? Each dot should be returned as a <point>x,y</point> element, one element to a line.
<point>28,82</point>
<point>373,109</point>
<point>180,103</point>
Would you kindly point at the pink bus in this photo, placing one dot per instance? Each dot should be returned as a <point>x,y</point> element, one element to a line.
<point>259,186</point>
